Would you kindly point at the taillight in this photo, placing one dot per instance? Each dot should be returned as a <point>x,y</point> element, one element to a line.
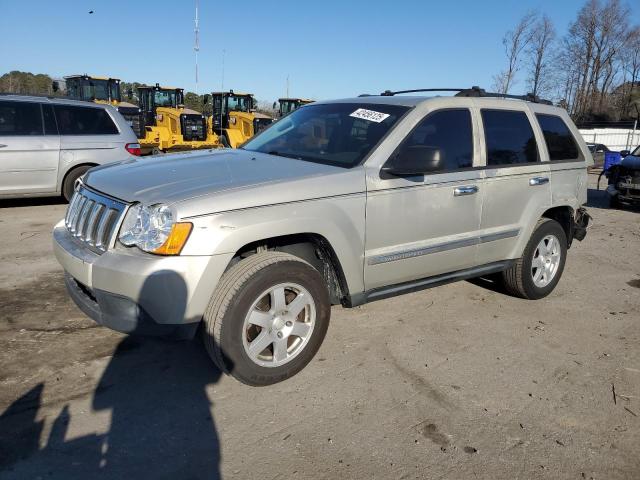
<point>133,149</point>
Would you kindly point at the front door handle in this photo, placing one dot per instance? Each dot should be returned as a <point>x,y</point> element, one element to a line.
<point>465,190</point>
<point>2,145</point>
<point>538,181</point>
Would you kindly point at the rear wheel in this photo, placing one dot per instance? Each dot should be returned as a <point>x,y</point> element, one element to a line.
<point>267,318</point>
<point>70,181</point>
<point>538,271</point>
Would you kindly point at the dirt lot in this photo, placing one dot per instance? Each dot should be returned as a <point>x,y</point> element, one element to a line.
<point>454,382</point>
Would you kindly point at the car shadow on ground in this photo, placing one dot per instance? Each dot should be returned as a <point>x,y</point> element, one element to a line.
<point>31,202</point>
<point>161,421</point>
<point>161,424</point>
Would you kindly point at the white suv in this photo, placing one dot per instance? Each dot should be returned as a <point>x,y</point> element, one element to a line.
<point>47,143</point>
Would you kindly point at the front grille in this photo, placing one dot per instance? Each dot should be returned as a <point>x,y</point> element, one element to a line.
<point>93,218</point>
<point>194,127</point>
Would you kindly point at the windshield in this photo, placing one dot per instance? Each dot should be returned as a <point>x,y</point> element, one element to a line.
<point>95,90</point>
<point>339,134</point>
<point>165,98</point>
<point>240,103</point>
<point>115,90</point>
<point>92,89</point>
<point>287,106</point>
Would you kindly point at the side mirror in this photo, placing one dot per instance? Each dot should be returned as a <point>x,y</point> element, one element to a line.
<point>205,98</point>
<point>624,153</point>
<point>55,85</point>
<point>414,160</point>
<point>274,105</point>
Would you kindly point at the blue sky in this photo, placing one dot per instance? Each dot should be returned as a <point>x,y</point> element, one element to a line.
<point>327,48</point>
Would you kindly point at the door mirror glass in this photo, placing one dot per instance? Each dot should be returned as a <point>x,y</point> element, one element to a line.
<point>414,160</point>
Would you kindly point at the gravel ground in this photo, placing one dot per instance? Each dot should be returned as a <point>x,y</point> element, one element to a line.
<point>460,381</point>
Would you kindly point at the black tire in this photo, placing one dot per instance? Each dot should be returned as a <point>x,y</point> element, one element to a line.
<point>614,202</point>
<point>518,279</point>
<point>70,181</point>
<point>238,289</point>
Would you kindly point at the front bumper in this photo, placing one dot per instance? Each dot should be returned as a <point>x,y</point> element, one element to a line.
<point>131,291</point>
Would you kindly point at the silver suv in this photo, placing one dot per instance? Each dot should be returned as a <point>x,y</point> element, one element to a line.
<point>47,143</point>
<point>340,202</point>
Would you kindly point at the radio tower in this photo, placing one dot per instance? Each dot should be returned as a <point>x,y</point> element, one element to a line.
<point>196,46</point>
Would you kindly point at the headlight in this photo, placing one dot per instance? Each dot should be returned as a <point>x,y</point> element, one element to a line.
<point>153,229</point>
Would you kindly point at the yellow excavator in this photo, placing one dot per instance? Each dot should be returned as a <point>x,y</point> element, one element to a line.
<point>234,119</point>
<point>103,90</point>
<point>288,105</point>
<point>168,125</point>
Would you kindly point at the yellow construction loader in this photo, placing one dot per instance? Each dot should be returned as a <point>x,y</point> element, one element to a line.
<point>288,105</point>
<point>234,119</point>
<point>103,90</point>
<point>168,125</point>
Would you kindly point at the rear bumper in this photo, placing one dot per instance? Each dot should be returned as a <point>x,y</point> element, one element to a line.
<point>580,224</point>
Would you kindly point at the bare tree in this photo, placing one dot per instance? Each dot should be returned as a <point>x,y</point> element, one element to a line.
<point>539,52</point>
<point>593,49</point>
<point>515,42</point>
<point>631,71</point>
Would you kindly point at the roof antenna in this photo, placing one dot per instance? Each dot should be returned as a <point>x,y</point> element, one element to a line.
<point>196,46</point>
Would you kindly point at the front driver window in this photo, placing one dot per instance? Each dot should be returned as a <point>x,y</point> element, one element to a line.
<point>448,131</point>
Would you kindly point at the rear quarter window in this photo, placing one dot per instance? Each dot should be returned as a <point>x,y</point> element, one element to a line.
<point>509,137</point>
<point>20,119</point>
<point>560,142</point>
<point>73,120</point>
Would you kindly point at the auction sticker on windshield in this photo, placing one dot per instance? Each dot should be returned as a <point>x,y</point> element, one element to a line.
<point>370,115</point>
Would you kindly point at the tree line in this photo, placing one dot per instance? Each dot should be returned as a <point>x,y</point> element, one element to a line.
<point>593,70</point>
<point>28,83</point>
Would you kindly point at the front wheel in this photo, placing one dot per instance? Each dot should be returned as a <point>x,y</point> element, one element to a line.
<point>538,271</point>
<point>267,318</point>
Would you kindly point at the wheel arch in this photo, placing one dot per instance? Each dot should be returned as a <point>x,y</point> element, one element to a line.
<point>71,169</point>
<point>564,215</point>
<point>312,247</point>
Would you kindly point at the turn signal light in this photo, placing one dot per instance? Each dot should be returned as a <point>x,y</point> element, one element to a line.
<point>177,238</point>
<point>133,149</point>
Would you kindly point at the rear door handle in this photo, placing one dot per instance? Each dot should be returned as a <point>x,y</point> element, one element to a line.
<point>465,190</point>
<point>2,145</point>
<point>538,181</point>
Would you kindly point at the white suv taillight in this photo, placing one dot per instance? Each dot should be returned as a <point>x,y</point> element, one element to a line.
<point>133,149</point>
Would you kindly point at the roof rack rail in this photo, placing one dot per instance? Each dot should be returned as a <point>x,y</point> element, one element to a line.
<point>474,91</point>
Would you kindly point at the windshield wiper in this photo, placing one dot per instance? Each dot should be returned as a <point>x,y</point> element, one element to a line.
<point>288,155</point>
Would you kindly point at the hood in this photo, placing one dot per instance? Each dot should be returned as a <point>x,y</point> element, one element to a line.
<point>631,162</point>
<point>219,180</point>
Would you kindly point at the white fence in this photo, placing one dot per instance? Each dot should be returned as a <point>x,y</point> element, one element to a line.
<point>615,138</point>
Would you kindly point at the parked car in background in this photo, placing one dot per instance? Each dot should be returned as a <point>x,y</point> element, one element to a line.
<point>624,181</point>
<point>46,144</point>
<point>340,202</point>
<point>598,150</point>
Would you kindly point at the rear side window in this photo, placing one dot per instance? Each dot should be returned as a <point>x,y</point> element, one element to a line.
<point>450,132</point>
<point>509,137</point>
<point>20,119</point>
<point>557,136</point>
<point>74,120</point>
